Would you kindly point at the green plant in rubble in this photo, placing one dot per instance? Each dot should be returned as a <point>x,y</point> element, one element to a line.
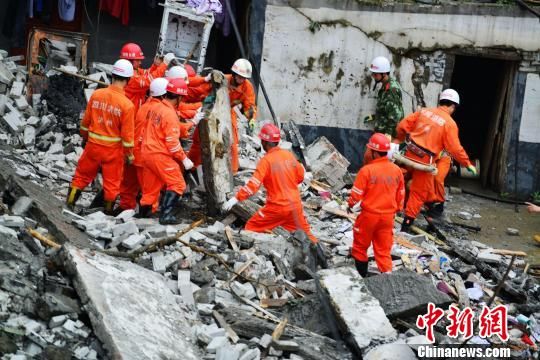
<point>536,196</point>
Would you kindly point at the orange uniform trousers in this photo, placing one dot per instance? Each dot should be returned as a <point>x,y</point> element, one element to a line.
<point>271,216</point>
<point>131,186</point>
<point>195,154</point>
<point>420,191</point>
<point>377,229</point>
<point>443,167</point>
<point>110,159</point>
<point>160,171</point>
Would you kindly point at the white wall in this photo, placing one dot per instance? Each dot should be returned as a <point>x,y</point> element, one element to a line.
<point>314,95</point>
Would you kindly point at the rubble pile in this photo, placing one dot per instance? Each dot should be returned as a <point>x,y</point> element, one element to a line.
<point>40,313</point>
<point>206,288</point>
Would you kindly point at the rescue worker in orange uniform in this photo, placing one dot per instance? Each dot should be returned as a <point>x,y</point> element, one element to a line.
<point>107,128</point>
<point>427,133</point>
<point>161,152</point>
<point>140,82</point>
<point>378,190</point>
<point>241,93</point>
<point>133,174</point>
<point>280,173</point>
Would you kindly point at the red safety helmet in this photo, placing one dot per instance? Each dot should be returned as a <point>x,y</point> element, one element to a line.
<point>177,86</point>
<point>190,71</point>
<point>379,142</point>
<point>131,51</point>
<point>270,132</point>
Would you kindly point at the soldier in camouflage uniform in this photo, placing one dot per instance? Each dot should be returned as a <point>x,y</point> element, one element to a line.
<point>389,110</point>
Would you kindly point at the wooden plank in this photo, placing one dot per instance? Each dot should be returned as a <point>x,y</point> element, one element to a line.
<point>229,219</point>
<point>273,303</point>
<point>228,329</point>
<point>280,328</point>
<point>242,269</point>
<point>229,235</point>
<point>508,252</point>
<point>339,212</point>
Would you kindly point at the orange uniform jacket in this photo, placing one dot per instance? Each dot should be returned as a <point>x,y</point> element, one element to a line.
<point>434,130</point>
<point>139,83</point>
<point>109,118</point>
<point>280,173</point>
<point>140,127</point>
<point>380,187</point>
<point>162,132</point>
<point>242,94</point>
<point>198,89</point>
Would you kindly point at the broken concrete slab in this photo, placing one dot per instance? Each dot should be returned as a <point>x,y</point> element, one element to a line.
<point>16,89</point>
<point>14,122</point>
<point>132,310</point>
<point>355,308</point>
<point>405,293</point>
<point>327,163</point>
<point>394,351</point>
<point>29,137</point>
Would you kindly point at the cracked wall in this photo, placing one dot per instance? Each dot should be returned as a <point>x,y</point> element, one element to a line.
<point>315,60</point>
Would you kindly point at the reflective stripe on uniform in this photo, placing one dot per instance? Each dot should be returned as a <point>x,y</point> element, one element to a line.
<point>84,128</point>
<point>128,144</point>
<point>104,137</point>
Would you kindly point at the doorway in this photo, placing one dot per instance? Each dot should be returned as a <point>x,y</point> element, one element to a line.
<point>484,85</point>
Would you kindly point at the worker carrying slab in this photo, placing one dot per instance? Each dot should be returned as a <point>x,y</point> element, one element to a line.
<point>161,153</point>
<point>389,109</point>
<point>427,132</point>
<point>280,173</point>
<point>378,191</point>
<point>107,129</point>
<point>242,95</point>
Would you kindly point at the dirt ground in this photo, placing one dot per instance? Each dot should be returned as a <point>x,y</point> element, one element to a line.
<point>495,218</point>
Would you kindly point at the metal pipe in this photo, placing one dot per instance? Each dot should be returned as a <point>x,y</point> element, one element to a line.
<point>244,55</point>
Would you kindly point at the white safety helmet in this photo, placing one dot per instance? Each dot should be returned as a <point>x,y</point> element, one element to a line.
<point>176,72</point>
<point>380,65</point>
<point>242,67</point>
<point>450,94</point>
<point>123,68</point>
<point>158,87</point>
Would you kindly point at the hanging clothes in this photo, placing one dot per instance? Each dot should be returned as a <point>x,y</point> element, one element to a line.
<point>117,8</point>
<point>66,10</point>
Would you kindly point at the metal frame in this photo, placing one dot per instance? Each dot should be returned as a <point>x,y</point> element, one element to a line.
<point>172,7</point>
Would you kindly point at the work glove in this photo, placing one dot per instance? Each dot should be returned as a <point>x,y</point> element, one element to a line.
<point>129,158</point>
<point>188,164</point>
<point>208,77</point>
<point>308,178</point>
<point>168,58</point>
<point>320,252</point>
<point>369,118</point>
<point>251,125</point>
<point>357,207</point>
<point>472,169</point>
<point>230,203</point>
<point>198,117</point>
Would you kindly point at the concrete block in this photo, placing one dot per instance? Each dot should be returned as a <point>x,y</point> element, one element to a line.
<point>348,293</point>
<point>251,354</point>
<point>158,262</point>
<point>227,352</point>
<point>489,258</point>
<point>56,149</point>
<point>131,308</point>
<point>184,285</point>
<point>16,89</point>
<point>7,234</point>
<point>6,76</point>
<point>216,343</point>
<point>126,215</point>
<point>265,341</point>
<point>245,290</point>
<point>88,93</point>
<point>393,351</point>
<point>125,228</point>
<point>21,103</point>
<point>22,205</point>
<point>133,241</point>
<point>57,321</point>
<point>9,221</point>
<point>405,293</point>
<point>14,122</point>
<point>157,231</point>
<point>29,137</point>
<point>3,100</point>
<point>327,163</point>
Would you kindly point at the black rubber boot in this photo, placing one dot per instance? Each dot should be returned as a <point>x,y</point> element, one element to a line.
<point>98,200</point>
<point>407,223</point>
<point>170,198</point>
<point>144,211</point>
<point>73,195</point>
<point>362,267</point>
<point>108,208</point>
<point>435,210</point>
